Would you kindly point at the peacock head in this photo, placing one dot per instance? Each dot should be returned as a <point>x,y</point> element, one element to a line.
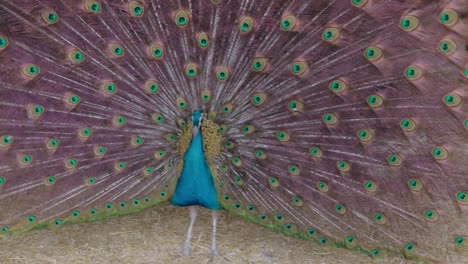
<point>196,117</point>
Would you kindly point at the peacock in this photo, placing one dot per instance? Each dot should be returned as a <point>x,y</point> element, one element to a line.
<point>341,122</point>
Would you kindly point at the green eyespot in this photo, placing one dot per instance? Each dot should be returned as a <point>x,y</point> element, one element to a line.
<point>236,161</point>
<point>3,42</point>
<point>6,141</point>
<point>273,182</point>
<point>259,64</point>
<point>447,47</point>
<point>205,96</point>
<point>343,166</point>
<point>259,99</point>
<point>373,53</point>
<point>108,89</point>
<point>374,101</point>
<point>239,180</point>
<point>222,73</point>
<point>157,118</point>
<point>394,160</point>
<point>119,121</point>
<point>358,3</point>
<point>329,119</point>
<point>151,87</point>
<point>156,51</point>
<point>439,153</point>
<point>282,136</point>
<point>288,23</point>
<point>71,163</point>
<point>298,68</point>
<point>415,185</point>
<point>459,241</point>
<point>452,100</point>
<point>182,18</point>
<point>120,166</point>
<point>72,101</point>
<point>99,151</point>
<point>448,17</point>
<point>462,197</point>
<point>294,170</point>
<point>380,218</point>
<point>408,125</point>
<point>30,71</point>
<point>246,25</point>
<point>295,106</point>
<point>409,23</point>
<point>136,8</point>
<point>49,17</point>
<point>75,56</point>
<point>413,73</point>
<point>92,6</point>
<point>181,103</point>
<point>338,86</point>
<point>90,181</point>
<point>365,135</point>
<point>116,50</point>
<point>191,70</point>
<point>49,181</point>
<point>76,213</point>
<point>136,141</point>
<point>2,181</point>
<point>35,111</point>
<point>159,154</point>
<point>431,215</point>
<point>370,186</point>
<point>222,129</point>
<point>339,208</point>
<point>32,218</point>
<point>247,129</point>
<point>315,152</point>
<point>148,171</point>
<point>331,34</point>
<point>203,40</point>
<point>322,186</point>
<point>260,154</point>
<point>85,133</point>
<point>227,108</point>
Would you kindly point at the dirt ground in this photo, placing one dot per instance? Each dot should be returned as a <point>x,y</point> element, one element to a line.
<point>155,235</point>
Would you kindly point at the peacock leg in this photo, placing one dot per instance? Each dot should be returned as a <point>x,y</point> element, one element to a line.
<point>185,250</point>
<point>214,249</point>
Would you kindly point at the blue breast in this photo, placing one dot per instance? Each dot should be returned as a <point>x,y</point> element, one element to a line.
<point>196,185</point>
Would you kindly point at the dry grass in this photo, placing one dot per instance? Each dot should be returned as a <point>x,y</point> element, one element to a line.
<point>154,235</point>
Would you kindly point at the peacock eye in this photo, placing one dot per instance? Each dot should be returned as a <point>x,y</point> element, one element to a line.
<point>452,100</point>
<point>85,133</point>
<point>25,159</point>
<point>157,118</point>
<point>322,186</point>
<point>373,53</point>
<point>182,18</point>
<point>227,108</point>
<point>315,152</point>
<point>151,87</point>
<point>358,3</point>
<point>181,103</point>
<point>259,99</point>
<point>35,111</point>
<point>294,170</point>
<point>75,57</point>
<point>394,160</point>
<point>297,201</point>
<point>431,215</point>
<point>409,23</point>
<point>71,163</point>
<point>298,68</point>
<point>343,166</point>
<point>447,47</point>
<point>370,186</point>
<point>236,161</point>
<point>156,51</point>
<point>259,64</point>
<point>119,120</point>
<point>331,34</point>
<point>49,17</point>
<point>116,50</point>
<point>159,154</point>
<point>31,70</point>
<point>108,89</point>
<point>462,197</point>
<point>136,141</point>
<point>338,86</point>
<point>288,23</point>
<point>340,208</point>
<point>448,17</point>
<point>92,6</point>
<point>374,100</point>
<point>247,129</point>
<point>329,119</point>
<point>203,40</point>
<point>205,96</point>
<point>365,135</point>
<point>408,125</point>
<point>136,8</point>
<point>3,42</point>
<point>380,218</point>
<point>222,73</point>
<point>260,154</point>
<point>282,136</point>
<point>295,106</point>
<point>246,25</point>
<point>5,141</point>
<point>413,73</point>
<point>191,70</point>
<point>439,153</point>
<point>72,101</point>
<point>415,185</point>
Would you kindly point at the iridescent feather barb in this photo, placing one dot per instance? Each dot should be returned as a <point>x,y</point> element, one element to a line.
<point>341,122</point>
